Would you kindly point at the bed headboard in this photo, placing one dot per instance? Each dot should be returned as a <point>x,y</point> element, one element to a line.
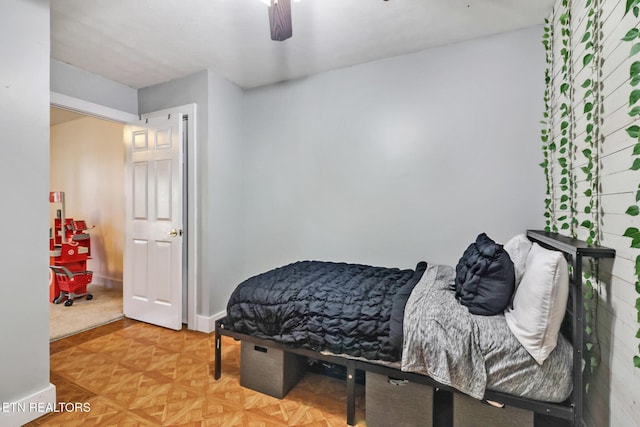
<point>574,250</point>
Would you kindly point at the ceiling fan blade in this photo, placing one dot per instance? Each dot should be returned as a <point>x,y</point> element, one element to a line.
<point>280,20</point>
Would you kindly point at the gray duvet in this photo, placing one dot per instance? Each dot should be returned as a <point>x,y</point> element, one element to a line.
<point>474,353</point>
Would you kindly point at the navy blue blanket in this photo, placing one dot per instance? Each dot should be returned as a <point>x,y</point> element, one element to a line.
<point>324,306</point>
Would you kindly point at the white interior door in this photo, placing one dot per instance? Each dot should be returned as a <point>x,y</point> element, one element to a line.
<point>153,252</point>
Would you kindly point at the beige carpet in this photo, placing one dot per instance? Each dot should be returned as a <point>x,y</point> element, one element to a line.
<point>105,307</point>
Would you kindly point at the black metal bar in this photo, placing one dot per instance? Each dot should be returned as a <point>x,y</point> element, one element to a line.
<point>442,408</point>
<point>218,351</point>
<point>578,342</point>
<point>570,246</point>
<point>351,394</point>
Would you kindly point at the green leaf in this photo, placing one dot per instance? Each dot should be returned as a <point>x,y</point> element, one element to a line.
<point>633,131</point>
<point>588,107</point>
<point>631,232</point>
<point>637,303</point>
<point>586,37</point>
<point>565,124</point>
<point>565,226</point>
<point>636,361</point>
<point>635,111</point>
<point>638,334</point>
<point>586,83</point>
<point>634,97</point>
<point>564,16</point>
<point>635,80</point>
<point>587,59</point>
<point>634,70</point>
<point>587,153</point>
<point>633,210</point>
<point>564,87</point>
<point>631,35</point>
<point>589,128</point>
<point>636,149</point>
<point>634,49</point>
<point>638,196</point>
<point>564,198</point>
<point>586,224</point>
<point>636,165</point>
<point>630,4</point>
<point>589,346</point>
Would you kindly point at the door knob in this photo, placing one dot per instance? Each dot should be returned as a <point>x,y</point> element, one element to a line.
<point>175,233</point>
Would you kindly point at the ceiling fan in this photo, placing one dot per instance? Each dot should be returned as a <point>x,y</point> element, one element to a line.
<point>280,19</point>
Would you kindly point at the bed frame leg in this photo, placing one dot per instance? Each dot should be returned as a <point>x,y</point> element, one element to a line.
<point>351,394</point>
<point>218,353</point>
<point>442,408</point>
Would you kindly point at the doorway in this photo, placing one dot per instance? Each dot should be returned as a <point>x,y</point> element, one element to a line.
<point>192,263</point>
<point>86,163</point>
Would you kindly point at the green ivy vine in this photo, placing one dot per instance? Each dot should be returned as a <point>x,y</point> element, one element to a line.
<point>546,133</point>
<point>633,36</point>
<point>590,153</point>
<point>565,150</point>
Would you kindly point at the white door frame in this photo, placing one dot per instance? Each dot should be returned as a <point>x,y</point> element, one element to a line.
<point>191,220</point>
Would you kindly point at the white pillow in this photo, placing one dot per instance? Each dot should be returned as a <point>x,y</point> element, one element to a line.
<point>518,248</point>
<point>540,303</point>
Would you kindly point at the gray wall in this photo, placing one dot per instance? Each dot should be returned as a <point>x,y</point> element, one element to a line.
<point>399,160</point>
<point>225,214</point>
<point>69,80</point>
<point>24,170</point>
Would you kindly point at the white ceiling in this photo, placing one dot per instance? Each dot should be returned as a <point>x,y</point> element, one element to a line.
<point>144,42</point>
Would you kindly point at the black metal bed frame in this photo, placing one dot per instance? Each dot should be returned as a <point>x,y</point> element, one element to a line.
<point>570,410</point>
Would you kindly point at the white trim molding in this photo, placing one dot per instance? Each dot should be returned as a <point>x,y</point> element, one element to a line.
<point>28,408</point>
<point>207,324</point>
<point>67,102</point>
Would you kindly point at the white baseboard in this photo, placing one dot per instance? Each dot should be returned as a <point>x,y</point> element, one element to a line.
<point>29,408</point>
<point>207,324</point>
<point>107,282</point>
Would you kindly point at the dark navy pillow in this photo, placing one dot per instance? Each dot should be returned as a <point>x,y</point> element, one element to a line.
<point>485,277</point>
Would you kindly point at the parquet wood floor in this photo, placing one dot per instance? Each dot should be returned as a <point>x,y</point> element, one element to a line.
<point>135,374</point>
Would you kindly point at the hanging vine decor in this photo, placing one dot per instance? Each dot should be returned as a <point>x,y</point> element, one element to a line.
<point>548,146</point>
<point>565,150</point>
<point>633,36</point>
<point>590,152</point>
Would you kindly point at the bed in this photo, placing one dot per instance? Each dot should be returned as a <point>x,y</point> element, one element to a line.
<point>426,325</point>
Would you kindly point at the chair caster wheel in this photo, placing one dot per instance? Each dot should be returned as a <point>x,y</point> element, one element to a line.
<point>89,297</point>
<point>68,302</point>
